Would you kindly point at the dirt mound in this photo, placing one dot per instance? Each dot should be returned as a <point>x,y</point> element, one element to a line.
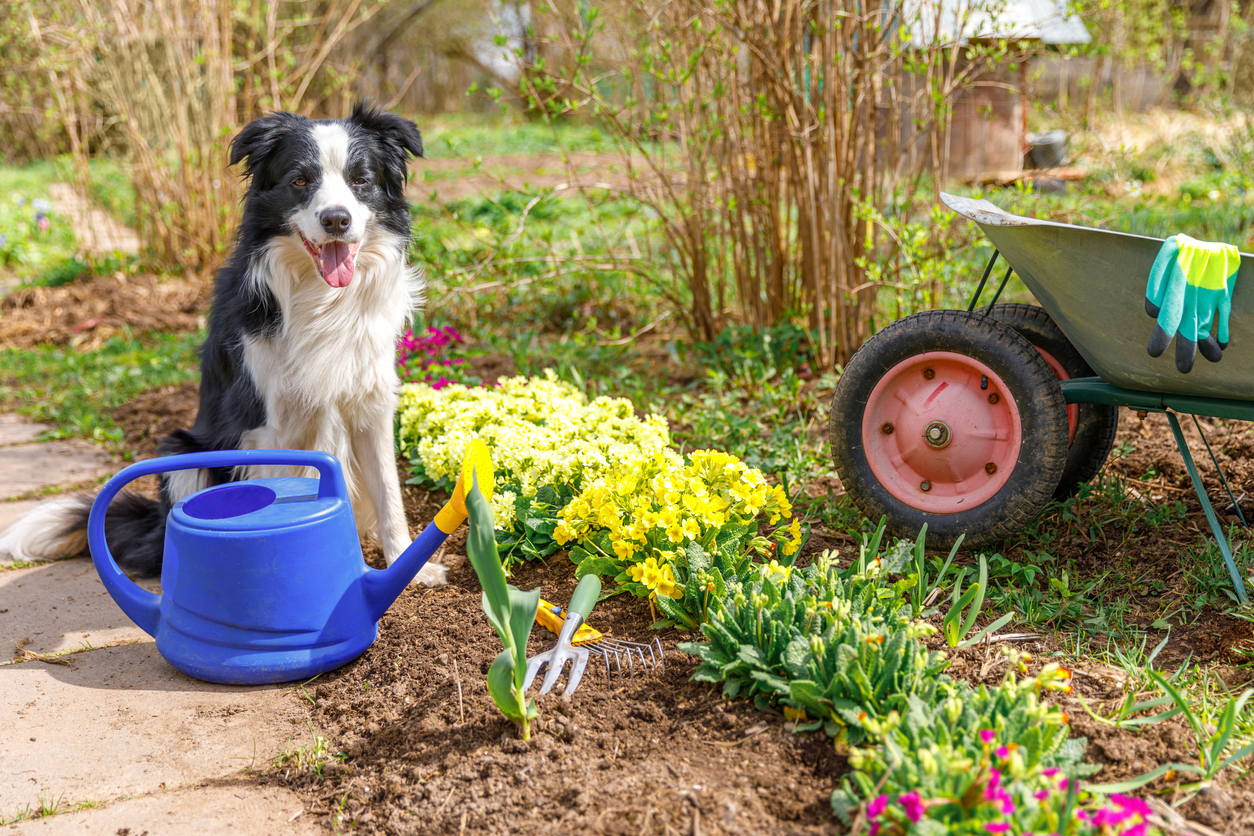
<point>86,314</point>
<point>428,752</point>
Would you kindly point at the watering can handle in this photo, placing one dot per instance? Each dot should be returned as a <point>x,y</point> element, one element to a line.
<point>143,607</point>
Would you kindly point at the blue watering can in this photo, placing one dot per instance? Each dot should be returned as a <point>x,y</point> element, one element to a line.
<point>263,580</point>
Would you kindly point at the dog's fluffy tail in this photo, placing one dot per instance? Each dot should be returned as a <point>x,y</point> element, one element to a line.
<point>134,529</point>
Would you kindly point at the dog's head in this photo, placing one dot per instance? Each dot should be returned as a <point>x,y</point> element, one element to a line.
<point>328,184</point>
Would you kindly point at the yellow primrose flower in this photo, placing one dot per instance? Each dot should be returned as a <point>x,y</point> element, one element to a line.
<point>777,572</point>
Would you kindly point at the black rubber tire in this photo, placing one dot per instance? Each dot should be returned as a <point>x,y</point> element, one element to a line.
<point>1028,378</point>
<point>1096,424</point>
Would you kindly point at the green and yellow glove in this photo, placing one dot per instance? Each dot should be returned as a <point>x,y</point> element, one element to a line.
<point>1189,291</point>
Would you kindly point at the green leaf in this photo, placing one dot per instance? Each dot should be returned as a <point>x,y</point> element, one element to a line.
<point>842,804</point>
<point>1141,780</point>
<point>501,687</point>
<point>522,615</point>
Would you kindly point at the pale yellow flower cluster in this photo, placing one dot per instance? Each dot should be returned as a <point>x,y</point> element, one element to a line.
<point>541,431</point>
<point>655,506</point>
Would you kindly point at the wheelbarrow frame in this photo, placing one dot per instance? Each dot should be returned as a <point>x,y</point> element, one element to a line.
<point>1096,390</point>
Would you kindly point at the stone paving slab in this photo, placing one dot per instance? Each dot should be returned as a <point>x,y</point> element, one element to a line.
<point>120,721</point>
<point>11,512</point>
<point>29,467</point>
<point>243,811</point>
<point>14,429</point>
<point>61,606</point>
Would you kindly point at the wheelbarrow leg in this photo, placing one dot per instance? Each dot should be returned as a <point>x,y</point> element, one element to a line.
<point>1220,471</point>
<point>1220,537</point>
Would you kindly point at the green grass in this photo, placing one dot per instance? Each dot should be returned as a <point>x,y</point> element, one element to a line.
<point>468,136</point>
<point>75,391</point>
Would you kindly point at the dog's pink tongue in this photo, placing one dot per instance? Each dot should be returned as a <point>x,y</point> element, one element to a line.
<point>338,260</point>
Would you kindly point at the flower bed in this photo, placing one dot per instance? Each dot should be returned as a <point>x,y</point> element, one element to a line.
<point>594,477</point>
<point>839,651</point>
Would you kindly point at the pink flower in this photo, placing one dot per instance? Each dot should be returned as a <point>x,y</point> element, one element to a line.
<point>1003,753</point>
<point>994,783</point>
<point>1049,773</point>
<point>986,736</point>
<point>1041,795</point>
<point>1134,806</point>
<point>875,828</point>
<point>875,808</point>
<point>913,804</point>
<point>997,827</point>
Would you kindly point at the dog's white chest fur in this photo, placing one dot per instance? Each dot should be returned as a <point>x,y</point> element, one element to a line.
<point>336,348</point>
<point>328,376</point>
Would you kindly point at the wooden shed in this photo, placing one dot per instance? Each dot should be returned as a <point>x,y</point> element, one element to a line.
<point>988,131</point>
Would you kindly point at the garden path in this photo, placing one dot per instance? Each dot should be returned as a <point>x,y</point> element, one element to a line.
<point>99,727</point>
<point>97,232</point>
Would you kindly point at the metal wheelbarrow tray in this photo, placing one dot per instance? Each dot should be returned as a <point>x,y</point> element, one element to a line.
<point>971,421</point>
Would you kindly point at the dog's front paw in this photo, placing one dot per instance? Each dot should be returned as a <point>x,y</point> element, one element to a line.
<point>433,574</point>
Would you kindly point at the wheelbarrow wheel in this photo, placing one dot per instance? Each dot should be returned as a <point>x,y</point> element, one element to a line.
<point>1092,426</point>
<point>951,419</point>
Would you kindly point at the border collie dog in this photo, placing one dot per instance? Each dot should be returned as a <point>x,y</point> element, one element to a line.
<point>302,337</point>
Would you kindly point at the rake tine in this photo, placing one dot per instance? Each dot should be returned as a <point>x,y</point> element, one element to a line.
<point>604,653</point>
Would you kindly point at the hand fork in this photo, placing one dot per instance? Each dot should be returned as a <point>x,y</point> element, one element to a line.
<point>581,604</point>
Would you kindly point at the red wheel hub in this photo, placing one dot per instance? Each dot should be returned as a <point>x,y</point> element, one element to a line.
<point>941,432</point>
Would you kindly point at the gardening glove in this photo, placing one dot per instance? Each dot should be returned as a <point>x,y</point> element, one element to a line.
<point>1189,291</point>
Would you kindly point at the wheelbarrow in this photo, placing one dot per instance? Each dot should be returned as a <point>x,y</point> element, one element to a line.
<point>972,421</point>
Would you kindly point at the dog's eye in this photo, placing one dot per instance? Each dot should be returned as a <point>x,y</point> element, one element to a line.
<point>360,181</point>
<point>299,182</point>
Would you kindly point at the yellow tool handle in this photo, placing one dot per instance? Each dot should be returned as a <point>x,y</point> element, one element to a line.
<point>551,617</point>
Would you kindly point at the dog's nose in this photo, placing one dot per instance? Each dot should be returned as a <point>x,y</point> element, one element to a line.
<point>335,220</point>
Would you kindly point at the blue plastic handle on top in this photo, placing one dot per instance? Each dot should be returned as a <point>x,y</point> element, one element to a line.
<point>141,606</point>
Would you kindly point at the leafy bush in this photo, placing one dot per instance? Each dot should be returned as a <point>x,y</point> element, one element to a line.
<point>839,650</point>
<point>827,644</point>
<point>967,755</point>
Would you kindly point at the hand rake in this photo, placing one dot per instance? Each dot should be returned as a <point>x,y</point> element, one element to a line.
<point>623,654</point>
<point>581,603</point>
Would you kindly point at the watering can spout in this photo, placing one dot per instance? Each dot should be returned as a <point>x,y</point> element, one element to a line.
<point>381,587</point>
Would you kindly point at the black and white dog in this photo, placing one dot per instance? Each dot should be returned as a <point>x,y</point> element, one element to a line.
<point>302,337</point>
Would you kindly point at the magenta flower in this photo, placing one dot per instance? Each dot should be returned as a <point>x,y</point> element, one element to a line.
<point>874,829</point>
<point>875,808</point>
<point>1049,773</point>
<point>1135,806</point>
<point>914,806</point>
<point>986,736</point>
<point>1002,753</point>
<point>997,827</point>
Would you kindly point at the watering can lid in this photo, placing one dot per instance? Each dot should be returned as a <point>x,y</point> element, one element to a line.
<point>257,505</point>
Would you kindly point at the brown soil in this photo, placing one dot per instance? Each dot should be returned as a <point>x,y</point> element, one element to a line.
<point>86,314</point>
<point>428,752</point>
<point>157,413</point>
<point>490,368</point>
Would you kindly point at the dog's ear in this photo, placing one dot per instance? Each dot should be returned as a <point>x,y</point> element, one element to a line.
<point>257,141</point>
<point>395,129</point>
